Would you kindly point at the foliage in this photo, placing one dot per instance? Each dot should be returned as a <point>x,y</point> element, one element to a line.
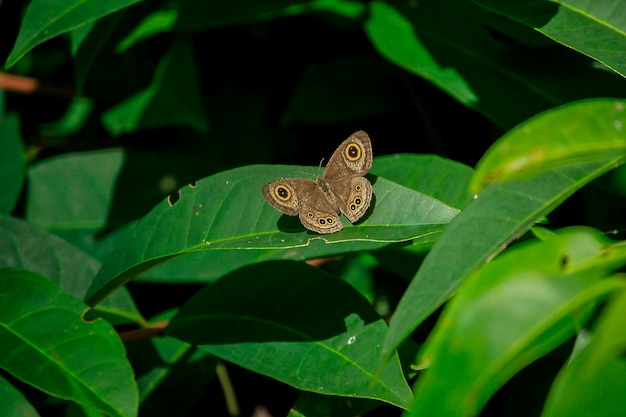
<point>142,273</point>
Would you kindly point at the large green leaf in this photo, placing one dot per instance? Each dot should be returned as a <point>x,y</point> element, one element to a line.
<point>89,198</point>
<point>74,192</point>
<point>12,163</point>
<point>296,324</point>
<point>45,19</point>
<point>503,80</point>
<point>13,403</point>
<point>499,215</point>
<point>513,311</point>
<point>227,212</point>
<point>600,27</point>
<point>45,342</point>
<point>593,383</point>
<point>441,178</point>
<point>437,177</point>
<point>581,132</point>
<point>25,246</point>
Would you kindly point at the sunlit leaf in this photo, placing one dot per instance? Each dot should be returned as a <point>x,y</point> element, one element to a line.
<point>227,212</point>
<point>514,310</point>
<point>577,133</point>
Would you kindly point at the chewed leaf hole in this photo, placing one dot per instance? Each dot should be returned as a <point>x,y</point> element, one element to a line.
<point>173,198</point>
<point>193,184</point>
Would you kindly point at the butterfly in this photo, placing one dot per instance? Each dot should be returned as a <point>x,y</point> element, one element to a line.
<point>342,189</point>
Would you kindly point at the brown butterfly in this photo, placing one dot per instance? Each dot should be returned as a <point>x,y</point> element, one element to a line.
<point>342,188</point>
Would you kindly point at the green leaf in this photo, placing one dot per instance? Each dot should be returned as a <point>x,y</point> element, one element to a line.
<point>162,20</point>
<point>12,163</point>
<point>600,25</point>
<point>593,383</point>
<point>73,190</point>
<point>89,198</point>
<point>45,342</point>
<point>45,20</point>
<point>498,216</point>
<point>171,99</point>
<point>505,81</point>
<point>274,318</point>
<point>24,246</point>
<point>72,121</point>
<point>227,212</point>
<point>441,178</point>
<point>511,312</point>
<point>576,133</point>
<point>437,177</point>
<point>13,403</point>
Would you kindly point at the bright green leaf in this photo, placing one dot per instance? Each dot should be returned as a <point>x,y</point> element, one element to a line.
<point>45,20</point>
<point>45,342</point>
<point>13,403</point>
<point>577,133</point>
<point>441,178</point>
<point>227,212</point>
<point>437,177</point>
<point>593,383</point>
<point>297,324</point>
<point>513,311</point>
<point>498,216</point>
<point>160,21</point>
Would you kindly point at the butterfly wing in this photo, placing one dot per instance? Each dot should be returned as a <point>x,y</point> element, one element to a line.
<point>289,194</point>
<point>352,158</point>
<point>344,175</point>
<point>343,187</point>
<point>354,196</point>
<point>303,197</point>
<point>318,215</point>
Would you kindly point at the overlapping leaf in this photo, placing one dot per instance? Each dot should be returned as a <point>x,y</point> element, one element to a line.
<point>577,133</point>
<point>44,20</point>
<point>514,310</point>
<point>25,246</point>
<point>226,212</point>
<point>45,342</point>
<point>296,324</point>
<point>600,25</point>
<point>500,214</point>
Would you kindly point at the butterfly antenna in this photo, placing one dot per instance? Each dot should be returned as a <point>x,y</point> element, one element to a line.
<point>319,168</point>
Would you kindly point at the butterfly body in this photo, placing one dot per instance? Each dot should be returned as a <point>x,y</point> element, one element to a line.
<point>342,189</point>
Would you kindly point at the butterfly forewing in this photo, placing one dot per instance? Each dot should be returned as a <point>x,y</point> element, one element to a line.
<point>288,195</point>
<point>352,158</point>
